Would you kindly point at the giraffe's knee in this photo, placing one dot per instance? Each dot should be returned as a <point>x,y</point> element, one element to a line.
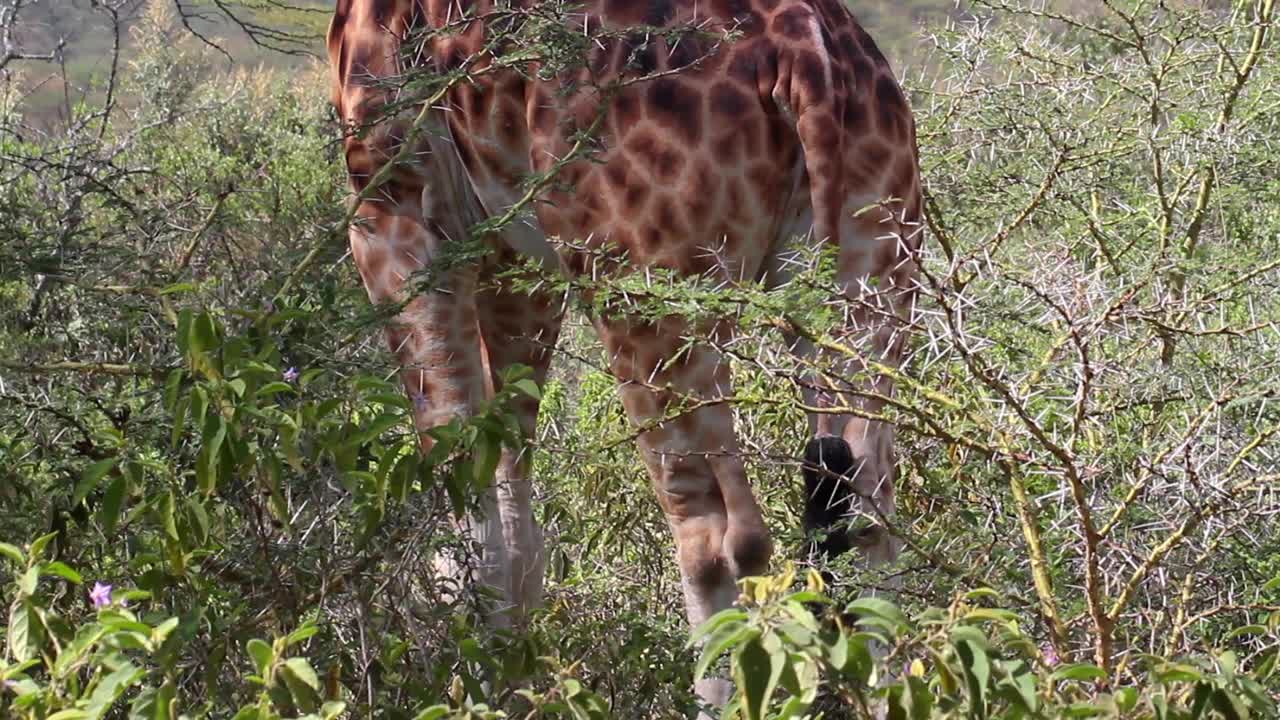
<point>699,546</point>
<point>748,548</point>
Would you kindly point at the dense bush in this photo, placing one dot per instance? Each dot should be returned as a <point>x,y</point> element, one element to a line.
<point>196,417</point>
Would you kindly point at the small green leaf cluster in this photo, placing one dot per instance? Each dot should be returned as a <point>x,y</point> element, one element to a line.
<point>795,653</point>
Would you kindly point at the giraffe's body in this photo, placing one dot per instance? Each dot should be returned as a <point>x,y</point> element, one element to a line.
<point>725,156</point>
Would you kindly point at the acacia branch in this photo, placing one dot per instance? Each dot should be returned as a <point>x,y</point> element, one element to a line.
<point>90,368</point>
<point>1158,554</point>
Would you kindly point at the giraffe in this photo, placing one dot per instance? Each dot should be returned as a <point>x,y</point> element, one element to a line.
<point>717,157</point>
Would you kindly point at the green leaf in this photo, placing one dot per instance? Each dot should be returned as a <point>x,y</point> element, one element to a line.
<point>161,631</point>
<point>112,501</point>
<point>528,387</point>
<point>1126,699</point>
<point>488,452</point>
<point>176,288</point>
<point>172,384</point>
<point>992,615</point>
<point>153,703</point>
<point>395,400</point>
<point>40,543</point>
<point>179,422</point>
<point>1200,700</point>
<point>1229,705</point>
<point>374,429</point>
<point>303,633</point>
<point>272,388</point>
<point>838,652</point>
<point>75,651</point>
<point>304,672</point>
<point>757,671</point>
<point>1079,671</point>
<point>332,710</point>
<point>877,609</point>
<point>796,633</point>
<point>199,519</point>
<point>30,579</point>
<point>13,553</point>
<point>860,665</point>
<point>1245,630</point>
<point>920,705</point>
<point>251,712</point>
<point>261,654</point>
<point>215,431</point>
<point>59,569</point>
<point>402,477</point>
<point>302,682</point>
<point>168,511</point>
<point>110,688</point>
<point>69,714</point>
<point>1082,710</point>
<point>971,648</point>
<point>90,477</point>
<point>204,333</point>
<point>1177,672</point>
<point>897,703</point>
<point>724,637</point>
<point>118,620</point>
<point>23,637</point>
<point>183,333</point>
<point>1019,685</point>
<point>710,625</point>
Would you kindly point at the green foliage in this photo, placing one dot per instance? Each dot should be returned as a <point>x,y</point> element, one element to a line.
<point>785,649</point>
<point>969,660</point>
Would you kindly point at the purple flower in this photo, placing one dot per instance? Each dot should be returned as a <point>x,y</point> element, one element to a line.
<point>420,401</point>
<point>100,595</point>
<point>291,374</point>
<point>1050,655</point>
<point>269,308</point>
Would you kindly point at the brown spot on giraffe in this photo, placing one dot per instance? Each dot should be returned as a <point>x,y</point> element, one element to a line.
<point>665,162</point>
<point>890,107</point>
<point>675,106</point>
<point>738,150</point>
<point>728,100</point>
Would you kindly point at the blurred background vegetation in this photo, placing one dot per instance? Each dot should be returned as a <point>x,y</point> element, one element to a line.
<point>1089,439</point>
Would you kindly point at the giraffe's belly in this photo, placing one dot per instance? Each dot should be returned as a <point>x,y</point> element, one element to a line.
<point>690,175</point>
<point>524,233</point>
<point>492,167</point>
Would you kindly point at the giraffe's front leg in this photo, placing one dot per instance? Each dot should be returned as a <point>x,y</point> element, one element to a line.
<point>519,328</point>
<point>403,223</point>
<point>435,337</point>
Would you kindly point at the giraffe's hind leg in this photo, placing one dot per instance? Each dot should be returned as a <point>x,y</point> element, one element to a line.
<point>849,467</point>
<point>519,328</point>
<point>688,444</point>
